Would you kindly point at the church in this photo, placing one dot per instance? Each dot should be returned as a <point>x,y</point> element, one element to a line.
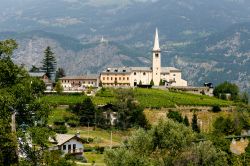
<point>133,76</point>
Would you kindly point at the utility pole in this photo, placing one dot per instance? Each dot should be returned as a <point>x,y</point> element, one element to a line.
<point>111,139</point>
<point>13,122</point>
<point>88,133</point>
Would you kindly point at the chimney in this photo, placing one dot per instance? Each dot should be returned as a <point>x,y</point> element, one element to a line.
<point>78,134</point>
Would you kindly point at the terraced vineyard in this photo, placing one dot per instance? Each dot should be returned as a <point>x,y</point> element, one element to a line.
<point>148,98</point>
<point>155,98</point>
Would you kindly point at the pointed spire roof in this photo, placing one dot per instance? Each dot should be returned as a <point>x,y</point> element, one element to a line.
<point>156,43</point>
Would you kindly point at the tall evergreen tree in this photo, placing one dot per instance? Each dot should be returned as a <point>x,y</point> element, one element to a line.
<point>49,62</point>
<point>185,121</point>
<point>195,126</point>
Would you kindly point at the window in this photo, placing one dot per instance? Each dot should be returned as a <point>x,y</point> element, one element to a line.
<point>156,55</point>
<point>103,78</point>
<point>124,71</point>
<point>111,78</point>
<point>144,73</point>
<point>115,79</point>
<point>134,73</point>
<point>127,78</point>
<point>107,78</point>
<point>119,78</point>
<point>123,78</point>
<point>174,75</point>
<point>64,147</point>
<point>116,70</point>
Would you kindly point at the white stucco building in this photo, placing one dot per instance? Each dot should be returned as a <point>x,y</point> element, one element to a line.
<point>133,76</point>
<point>68,144</point>
<point>79,83</point>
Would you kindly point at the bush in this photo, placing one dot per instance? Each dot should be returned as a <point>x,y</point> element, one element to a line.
<point>87,140</point>
<point>61,129</point>
<point>175,115</point>
<point>73,123</point>
<point>59,122</point>
<point>216,109</point>
<point>221,90</point>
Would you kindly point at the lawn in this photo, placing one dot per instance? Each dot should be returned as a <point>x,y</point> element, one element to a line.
<point>58,114</point>
<point>148,98</point>
<point>102,138</point>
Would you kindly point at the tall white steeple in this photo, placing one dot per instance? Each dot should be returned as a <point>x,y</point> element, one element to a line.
<point>156,60</point>
<point>156,43</point>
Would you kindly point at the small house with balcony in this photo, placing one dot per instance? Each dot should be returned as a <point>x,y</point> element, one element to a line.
<point>68,144</point>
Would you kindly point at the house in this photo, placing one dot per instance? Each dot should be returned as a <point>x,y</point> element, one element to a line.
<point>42,76</point>
<point>133,76</point>
<point>68,144</point>
<point>78,83</point>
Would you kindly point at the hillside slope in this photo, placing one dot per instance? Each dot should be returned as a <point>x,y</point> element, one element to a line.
<point>224,56</point>
<point>75,57</point>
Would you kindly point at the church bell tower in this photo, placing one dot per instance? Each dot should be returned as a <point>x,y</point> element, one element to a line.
<point>156,60</point>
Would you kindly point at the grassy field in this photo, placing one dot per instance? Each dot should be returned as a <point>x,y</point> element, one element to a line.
<point>148,98</point>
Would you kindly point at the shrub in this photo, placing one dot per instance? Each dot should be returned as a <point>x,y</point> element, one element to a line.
<point>59,122</point>
<point>175,115</point>
<point>216,109</point>
<point>73,123</point>
<point>61,129</point>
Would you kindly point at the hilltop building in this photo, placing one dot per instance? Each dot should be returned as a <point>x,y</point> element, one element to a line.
<point>79,83</point>
<point>133,76</point>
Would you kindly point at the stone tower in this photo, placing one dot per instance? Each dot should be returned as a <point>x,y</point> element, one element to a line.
<point>156,60</point>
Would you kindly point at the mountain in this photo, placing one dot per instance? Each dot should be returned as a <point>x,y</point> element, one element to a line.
<point>124,20</point>
<point>75,57</point>
<point>224,56</point>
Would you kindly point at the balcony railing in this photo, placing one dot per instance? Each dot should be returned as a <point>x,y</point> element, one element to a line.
<point>73,151</point>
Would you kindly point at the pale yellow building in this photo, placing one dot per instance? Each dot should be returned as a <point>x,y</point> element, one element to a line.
<point>133,76</point>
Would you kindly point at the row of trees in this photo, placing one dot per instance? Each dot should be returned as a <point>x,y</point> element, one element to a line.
<point>176,116</point>
<point>127,111</point>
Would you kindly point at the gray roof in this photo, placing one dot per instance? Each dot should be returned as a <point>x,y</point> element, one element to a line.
<point>83,77</point>
<point>62,138</point>
<point>132,69</point>
<point>141,68</point>
<point>37,74</point>
<point>126,69</point>
<point>117,70</point>
<point>169,69</point>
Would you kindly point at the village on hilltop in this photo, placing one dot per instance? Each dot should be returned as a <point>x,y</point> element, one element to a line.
<point>156,76</point>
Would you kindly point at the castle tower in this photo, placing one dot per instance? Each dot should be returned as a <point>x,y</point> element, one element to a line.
<point>156,60</point>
